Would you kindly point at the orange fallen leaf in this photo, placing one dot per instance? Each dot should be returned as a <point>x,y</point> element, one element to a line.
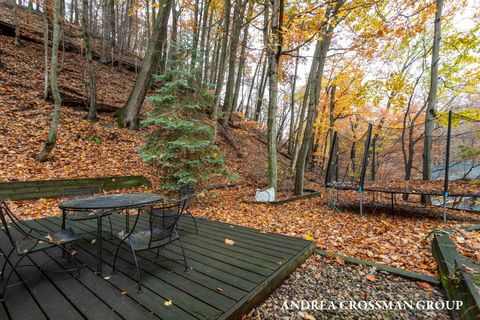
<point>425,285</point>
<point>371,277</point>
<point>340,260</point>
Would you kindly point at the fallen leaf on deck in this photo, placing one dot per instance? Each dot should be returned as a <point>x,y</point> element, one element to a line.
<point>229,242</point>
<point>219,289</point>
<point>168,303</point>
<point>93,241</point>
<point>124,293</point>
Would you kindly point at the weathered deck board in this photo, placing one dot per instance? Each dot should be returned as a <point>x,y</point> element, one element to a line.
<point>223,282</point>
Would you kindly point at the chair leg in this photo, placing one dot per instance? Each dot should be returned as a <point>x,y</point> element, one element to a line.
<point>115,257</point>
<point>7,260</point>
<point>2,294</point>
<point>72,257</point>
<point>183,253</point>
<point>137,269</point>
<point>194,221</point>
<point>111,227</point>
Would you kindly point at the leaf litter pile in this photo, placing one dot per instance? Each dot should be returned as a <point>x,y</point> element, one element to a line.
<point>101,149</point>
<point>467,243</point>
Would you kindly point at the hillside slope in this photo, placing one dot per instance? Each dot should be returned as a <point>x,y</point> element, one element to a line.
<point>84,149</point>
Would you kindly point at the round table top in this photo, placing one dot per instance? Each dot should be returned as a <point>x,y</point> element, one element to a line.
<point>112,201</point>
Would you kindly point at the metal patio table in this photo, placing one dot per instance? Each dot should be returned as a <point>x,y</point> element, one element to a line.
<point>102,205</point>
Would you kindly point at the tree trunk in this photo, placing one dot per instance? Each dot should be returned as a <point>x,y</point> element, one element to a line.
<point>257,67</point>
<point>128,115</point>
<point>237,25</point>
<point>52,133</point>
<point>313,96</point>
<point>203,38</point>
<point>432,95</point>
<point>273,49</point>
<point>172,53</point>
<point>215,60</point>
<point>314,90</point>
<point>91,86</point>
<point>16,23</point>
<point>292,109</point>
<point>303,109</point>
<point>196,30</point>
<point>112,26</point>
<point>223,57</point>
<point>45,50</point>
<point>147,18</point>
<point>107,32</point>
<point>75,8</point>
<point>206,50</point>
<point>241,63</point>
<point>261,92</point>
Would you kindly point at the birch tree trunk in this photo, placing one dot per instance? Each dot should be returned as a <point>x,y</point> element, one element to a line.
<point>52,133</point>
<point>432,95</point>
<point>128,116</point>
<point>91,85</point>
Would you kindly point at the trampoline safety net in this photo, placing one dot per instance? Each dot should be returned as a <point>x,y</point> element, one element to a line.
<point>386,153</point>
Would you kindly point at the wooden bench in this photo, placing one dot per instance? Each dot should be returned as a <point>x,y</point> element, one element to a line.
<point>29,190</point>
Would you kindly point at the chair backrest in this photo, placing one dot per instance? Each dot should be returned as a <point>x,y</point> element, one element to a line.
<point>15,222</point>
<point>187,192</point>
<point>165,217</point>
<point>79,192</point>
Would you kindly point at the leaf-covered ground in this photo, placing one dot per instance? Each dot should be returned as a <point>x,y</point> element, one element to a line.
<point>397,240</point>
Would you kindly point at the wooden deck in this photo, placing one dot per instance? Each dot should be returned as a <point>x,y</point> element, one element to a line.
<point>224,282</point>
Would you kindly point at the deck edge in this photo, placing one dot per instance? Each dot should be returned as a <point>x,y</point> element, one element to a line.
<point>267,287</point>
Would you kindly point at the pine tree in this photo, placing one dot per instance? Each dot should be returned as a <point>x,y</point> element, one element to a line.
<point>181,145</point>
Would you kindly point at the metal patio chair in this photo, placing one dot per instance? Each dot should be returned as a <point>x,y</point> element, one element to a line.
<point>80,215</point>
<point>26,240</point>
<point>162,231</point>
<point>188,192</point>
